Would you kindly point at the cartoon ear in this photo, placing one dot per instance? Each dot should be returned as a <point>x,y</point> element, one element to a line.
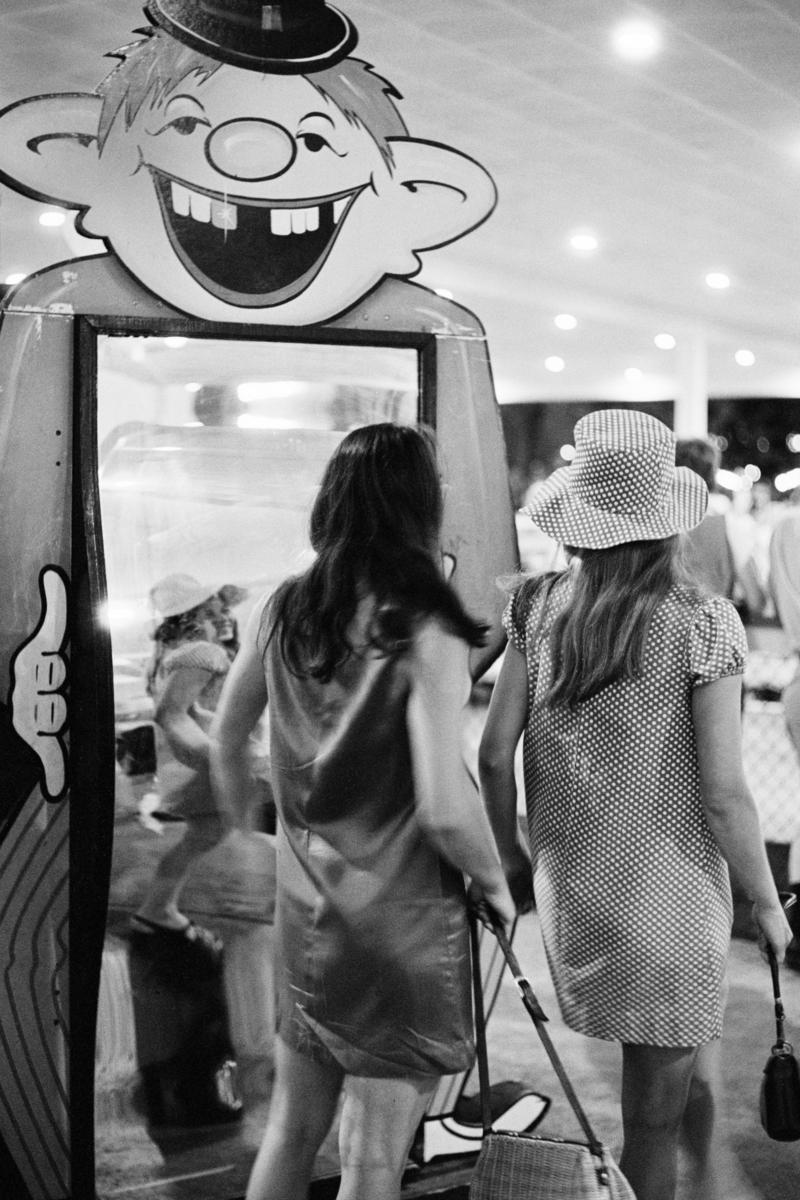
<point>48,146</point>
<point>445,193</point>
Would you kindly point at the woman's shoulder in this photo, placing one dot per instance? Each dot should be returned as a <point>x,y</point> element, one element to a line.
<point>198,656</point>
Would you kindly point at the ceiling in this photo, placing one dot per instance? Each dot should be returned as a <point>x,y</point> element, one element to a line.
<point>681,165</point>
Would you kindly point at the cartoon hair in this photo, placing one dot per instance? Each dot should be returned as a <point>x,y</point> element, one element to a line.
<point>155,66</point>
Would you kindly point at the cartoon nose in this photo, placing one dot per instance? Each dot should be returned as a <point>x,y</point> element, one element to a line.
<point>250,148</point>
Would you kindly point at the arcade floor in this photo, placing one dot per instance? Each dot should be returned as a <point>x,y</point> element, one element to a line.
<point>212,1163</point>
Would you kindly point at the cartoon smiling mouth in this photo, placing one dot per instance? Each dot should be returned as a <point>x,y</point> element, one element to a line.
<point>252,253</point>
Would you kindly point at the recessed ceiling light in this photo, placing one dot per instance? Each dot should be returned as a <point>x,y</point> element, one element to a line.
<point>745,358</point>
<point>636,40</point>
<point>565,321</point>
<point>53,218</point>
<point>554,363</point>
<point>14,277</point>
<point>665,341</point>
<point>718,280</point>
<point>583,240</point>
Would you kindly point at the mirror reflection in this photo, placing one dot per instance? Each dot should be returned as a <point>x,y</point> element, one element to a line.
<point>210,452</point>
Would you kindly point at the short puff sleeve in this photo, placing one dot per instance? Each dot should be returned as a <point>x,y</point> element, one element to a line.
<point>528,593</point>
<point>717,642</point>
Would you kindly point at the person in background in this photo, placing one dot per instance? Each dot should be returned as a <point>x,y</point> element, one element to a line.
<point>624,681</point>
<point>362,662</point>
<point>784,574</point>
<point>185,679</point>
<point>720,551</point>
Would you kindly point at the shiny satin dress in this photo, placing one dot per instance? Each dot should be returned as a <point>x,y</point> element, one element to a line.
<point>371,924</point>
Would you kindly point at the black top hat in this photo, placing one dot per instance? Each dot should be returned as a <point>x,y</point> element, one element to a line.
<point>291,38</point>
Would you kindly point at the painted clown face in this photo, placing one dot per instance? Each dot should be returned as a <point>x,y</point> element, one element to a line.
<point>236,196</point>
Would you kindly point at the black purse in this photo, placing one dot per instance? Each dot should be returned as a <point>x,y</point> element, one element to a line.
<point>780,1083</point>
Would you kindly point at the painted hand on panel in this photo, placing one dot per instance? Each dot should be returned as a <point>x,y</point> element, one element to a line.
<point>39,675</point>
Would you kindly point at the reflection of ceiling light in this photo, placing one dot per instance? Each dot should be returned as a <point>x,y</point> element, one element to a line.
<point>53,218</point>
<point>584,241</point>
<point>554,363</point>
<point>14,277</point>
<point>565,321</point>
<point>636,40</point>
<point>718,280</point>
<point>269,389</point>
<point>175,343</point>
<point>665,341</point>
<point>745,358</point>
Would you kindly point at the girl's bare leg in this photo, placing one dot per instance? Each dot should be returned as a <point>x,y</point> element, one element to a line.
<point>655,1089</point>
<point>716,1174</point>
<point>379,1120</point>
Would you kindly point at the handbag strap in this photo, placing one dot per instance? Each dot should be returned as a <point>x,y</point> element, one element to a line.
<point>538,1016</point>
<point>780,1015</point>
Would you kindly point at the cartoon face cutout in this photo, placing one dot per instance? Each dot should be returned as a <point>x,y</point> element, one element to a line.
<point>237,196</point>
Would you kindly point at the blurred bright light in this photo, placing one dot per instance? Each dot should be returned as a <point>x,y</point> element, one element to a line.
<point>565,321</point>
<point>665,341</point>
<point>193,387</point>
<point>14,277</point>
<point>753,472</point>
<point>718,280</point>
<point>788,480</point>
<point>567,452</point>
<point>554,363</point>
<point>583,240</point>
<point>636,40</point>
<point>53,218</point>
<point>269,389</point>
<point>729,480</point>
<point>793,442</point>
<point>633,374</point>
<point>745,358</point>
<point>445,293</point>
<point>175,343</point>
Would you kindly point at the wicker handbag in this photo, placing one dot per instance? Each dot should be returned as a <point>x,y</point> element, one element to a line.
<point>526,1166</point>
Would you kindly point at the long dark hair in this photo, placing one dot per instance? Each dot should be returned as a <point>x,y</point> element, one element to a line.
<point>375,527</point>
<point>600,636</point>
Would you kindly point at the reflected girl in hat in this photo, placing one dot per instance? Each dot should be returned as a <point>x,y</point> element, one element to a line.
<point>185,677</point>
<point>362,662</point>
<point>624,682</point>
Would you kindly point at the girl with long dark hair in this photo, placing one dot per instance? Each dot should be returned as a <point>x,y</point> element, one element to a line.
<point>624,682</point>
<point>362,662</point>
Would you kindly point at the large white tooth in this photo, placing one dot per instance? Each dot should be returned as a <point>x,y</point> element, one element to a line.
<point>312,219</point>
<point>200,206</point>
<point>338,208</point>
<point>281,221</point>
<point>223,215</point>
<point>180,200</point>
<point>298,220</point>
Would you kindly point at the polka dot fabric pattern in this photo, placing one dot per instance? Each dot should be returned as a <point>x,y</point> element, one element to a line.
<point>631,889</point>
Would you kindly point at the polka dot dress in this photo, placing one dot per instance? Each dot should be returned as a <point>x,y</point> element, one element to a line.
<point>631,889</point>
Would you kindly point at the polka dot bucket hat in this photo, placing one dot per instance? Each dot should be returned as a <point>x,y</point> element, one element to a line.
<point>621,486</point>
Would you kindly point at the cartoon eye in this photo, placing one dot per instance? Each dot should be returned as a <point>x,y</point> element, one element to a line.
<point>185,125</point>
<point>313,142</point>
